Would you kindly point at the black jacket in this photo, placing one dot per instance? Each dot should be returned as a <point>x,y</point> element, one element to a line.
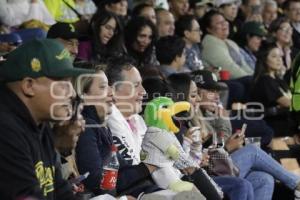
<point>28,162</point>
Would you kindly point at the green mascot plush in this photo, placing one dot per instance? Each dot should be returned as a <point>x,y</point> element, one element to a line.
<point>160,146</point>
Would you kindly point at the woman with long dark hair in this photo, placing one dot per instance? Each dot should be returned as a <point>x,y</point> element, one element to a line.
<point>185,89</point>
<point>270,90</point>
<point>140,36</point>
<point>105,38</point>
<point>281,32</point>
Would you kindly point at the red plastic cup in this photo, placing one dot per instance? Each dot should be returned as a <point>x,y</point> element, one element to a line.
<point>224,75</point>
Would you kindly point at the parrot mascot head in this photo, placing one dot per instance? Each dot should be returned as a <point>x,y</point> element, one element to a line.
<point>160,113</point>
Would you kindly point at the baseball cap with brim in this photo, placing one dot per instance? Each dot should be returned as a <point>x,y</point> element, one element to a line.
<point>207,80</point>
<point>64,30</point>
<point>255,28</point>
<point>39,58</point>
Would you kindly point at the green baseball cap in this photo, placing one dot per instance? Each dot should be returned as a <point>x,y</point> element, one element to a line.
<point>39,58</point>
<point>255,28</point>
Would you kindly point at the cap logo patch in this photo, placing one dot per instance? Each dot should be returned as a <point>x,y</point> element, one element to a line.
<point>72,28</point>
<point>215,78</point>
<point>65,54</point>
<point>35,65</point>
<point>235,29</point>
<point>199,79</point>
<point>262,28</point>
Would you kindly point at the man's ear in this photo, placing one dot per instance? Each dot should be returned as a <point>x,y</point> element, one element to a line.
<point>107,7</point>
<point>27,86</point>
<point>208,30</point>
<point>170,5</point>
<point>243,8</point>
<point>186,33</point>
<point>248,37</point>
<point>220,10</point>
<point>176,59</point>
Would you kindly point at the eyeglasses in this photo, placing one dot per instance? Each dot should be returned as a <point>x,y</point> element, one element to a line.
<point>110,28</point>
<point>195,30</point>
<point>295,9</point>
<point>221,23</point>
<point>286,29</point>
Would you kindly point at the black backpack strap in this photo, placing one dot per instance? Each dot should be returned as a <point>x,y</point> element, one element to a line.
<point>73,9</point>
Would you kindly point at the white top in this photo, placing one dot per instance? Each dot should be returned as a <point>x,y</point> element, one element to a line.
<point>128,142</point>
<point>15,12</point>
<point>86,8</point>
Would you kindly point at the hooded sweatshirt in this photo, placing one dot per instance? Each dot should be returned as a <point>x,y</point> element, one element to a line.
<point>29,164</point>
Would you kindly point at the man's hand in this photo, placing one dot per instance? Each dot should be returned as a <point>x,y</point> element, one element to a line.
<point>66,134</point>
<point>6,47</point>
<point>235,141</point>
<point>151,168</point>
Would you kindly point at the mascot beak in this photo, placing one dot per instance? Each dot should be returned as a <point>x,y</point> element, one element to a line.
<point>166,114</point>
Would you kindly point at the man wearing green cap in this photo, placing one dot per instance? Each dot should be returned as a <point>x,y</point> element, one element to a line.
<point>35,89</point>
<point>67,35</point>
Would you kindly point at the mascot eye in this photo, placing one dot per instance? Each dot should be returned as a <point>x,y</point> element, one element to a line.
<point>164,106</point>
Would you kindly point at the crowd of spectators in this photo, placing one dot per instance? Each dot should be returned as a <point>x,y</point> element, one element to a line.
<point>235,61</point>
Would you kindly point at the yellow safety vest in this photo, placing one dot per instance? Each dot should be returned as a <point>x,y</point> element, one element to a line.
<point>295,84</point>
<point>60,11</point>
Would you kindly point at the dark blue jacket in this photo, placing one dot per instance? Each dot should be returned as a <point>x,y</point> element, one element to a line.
<point>93,149</point>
